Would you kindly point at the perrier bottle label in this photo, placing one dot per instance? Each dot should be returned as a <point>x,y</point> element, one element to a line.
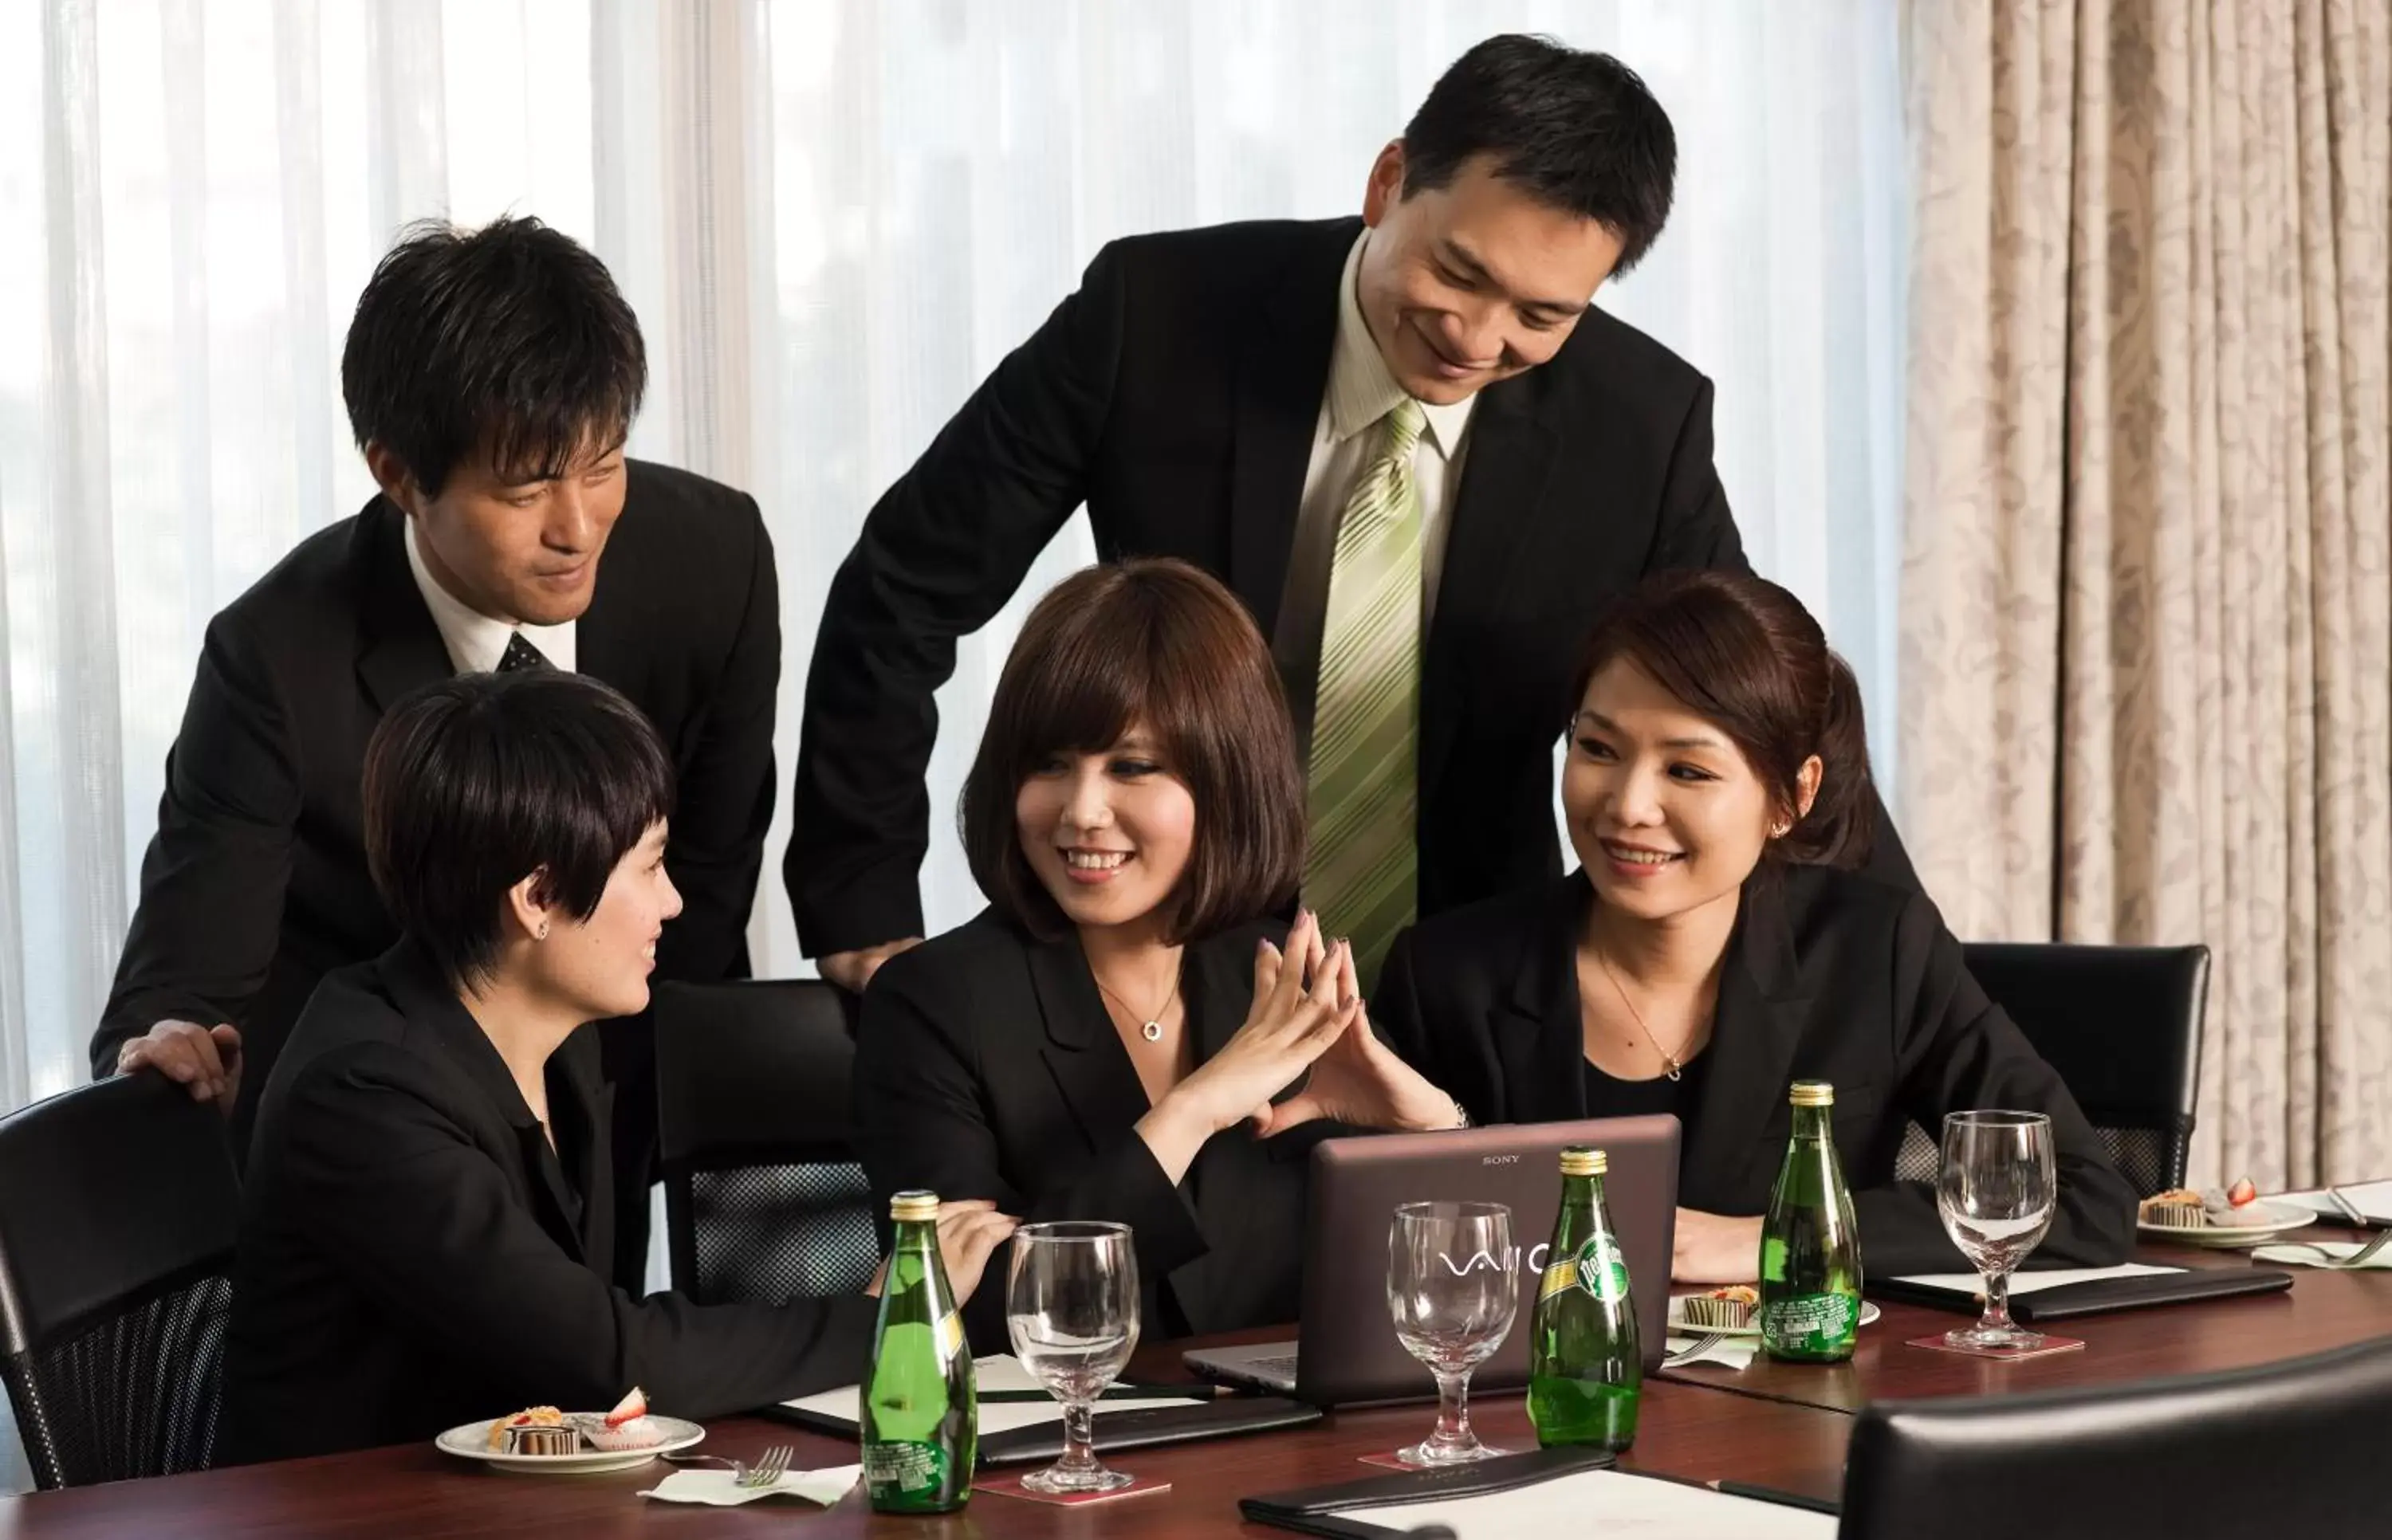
<point>920,1416</point>
<point>1809,1248</point>
<point>1586,1371</point>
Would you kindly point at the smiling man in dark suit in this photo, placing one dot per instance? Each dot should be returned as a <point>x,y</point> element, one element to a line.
<point>1408,442</point>
<point>492,377</point>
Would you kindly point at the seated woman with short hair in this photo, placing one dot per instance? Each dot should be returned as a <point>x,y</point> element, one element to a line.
<point>1713,947</point>
<point>427,1219</point>
<point>1116,1037</point>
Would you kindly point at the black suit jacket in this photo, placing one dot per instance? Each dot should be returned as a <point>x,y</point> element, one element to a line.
<point>986,1066</point>
<point>1829,976</point>
<point>1176,394</point>
<point>255,884</point>
<point>412,1256</point>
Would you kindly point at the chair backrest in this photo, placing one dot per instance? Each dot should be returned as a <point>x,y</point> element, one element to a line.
<point>2122,1027</point>
<point>763,1200</point>
<point>119,1206</point>
<point>2288,1448</point>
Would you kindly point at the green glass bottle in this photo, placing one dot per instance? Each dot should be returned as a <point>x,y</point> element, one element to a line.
<point>1586,1370</point>
<point>921,1409</point>
<point>1809,1248</point>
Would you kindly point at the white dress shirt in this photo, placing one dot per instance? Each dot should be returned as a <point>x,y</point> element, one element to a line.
<point>476,642</point>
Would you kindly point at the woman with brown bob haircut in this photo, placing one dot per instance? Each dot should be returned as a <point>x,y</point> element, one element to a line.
<point>1715,946</point>
<point>1117,1037</point>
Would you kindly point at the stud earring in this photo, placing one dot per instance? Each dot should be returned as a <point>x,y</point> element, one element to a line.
<point>542,934</point>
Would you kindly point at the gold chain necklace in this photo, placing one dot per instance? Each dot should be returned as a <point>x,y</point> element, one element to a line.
<point>1150,1028</point>
<point>1670,1062</point>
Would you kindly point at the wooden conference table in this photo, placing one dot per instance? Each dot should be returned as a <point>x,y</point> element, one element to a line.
<point>1773,1425</point>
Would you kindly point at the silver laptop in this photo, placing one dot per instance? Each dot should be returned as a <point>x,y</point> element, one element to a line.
<point>1350,1355</point>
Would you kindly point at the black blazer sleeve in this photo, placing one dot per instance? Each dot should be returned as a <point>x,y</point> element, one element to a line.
<point>1695,530</point>
<point>724,801</point>
<point>940,553</point>
<point>425,1225</point>
<point>1958,1051</point>
<point>924,1120</point>
<point>212,883</point>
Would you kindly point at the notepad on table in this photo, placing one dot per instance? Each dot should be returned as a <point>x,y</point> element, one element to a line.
<point>2034,1283</point>
<point>2371,1199</point>
<point>997,1372</point>
<point>1606,1503</point>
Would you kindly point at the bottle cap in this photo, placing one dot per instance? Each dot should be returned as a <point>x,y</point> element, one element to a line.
<point>1812,1093</point>
<point>1578,1161</point>
<point>913,1207</point>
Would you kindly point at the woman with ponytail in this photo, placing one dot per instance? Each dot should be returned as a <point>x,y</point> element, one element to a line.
<point>1717,943</point>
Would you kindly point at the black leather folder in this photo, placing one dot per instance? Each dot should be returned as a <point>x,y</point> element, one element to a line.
<point>2098,1295</point>
<point>1312,1510</point>
<point>1116,1430</point>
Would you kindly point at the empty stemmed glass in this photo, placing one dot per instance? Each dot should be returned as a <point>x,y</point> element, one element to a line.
<point>1452,1293</point>
<point>1996,1192</point>
<point>1071,1307</point>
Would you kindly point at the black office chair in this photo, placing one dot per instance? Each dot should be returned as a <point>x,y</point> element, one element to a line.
<point>2122,1025</point>
<point>118,1209</point>
<point>2288,1448</point>
<point>764,1200</point>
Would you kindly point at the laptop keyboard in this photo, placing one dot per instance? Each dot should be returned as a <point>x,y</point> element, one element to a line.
<point>1280,1367</point>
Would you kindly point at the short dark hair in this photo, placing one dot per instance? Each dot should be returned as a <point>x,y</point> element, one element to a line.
<point>1744,653</point>
<point>475,782</point>
<point>1575,131</point>
<point>1155,642</point>
<point>509,341</point>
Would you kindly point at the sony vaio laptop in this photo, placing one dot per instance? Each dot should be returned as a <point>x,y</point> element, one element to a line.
<point>1349,1351</point>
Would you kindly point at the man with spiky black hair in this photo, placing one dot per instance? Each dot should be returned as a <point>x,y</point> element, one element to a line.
<point>492,377</point>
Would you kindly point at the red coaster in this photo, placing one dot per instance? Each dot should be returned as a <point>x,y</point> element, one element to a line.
<point>1010,1486</point>
<point>2050,1345</point>
<point>1389,1459</point>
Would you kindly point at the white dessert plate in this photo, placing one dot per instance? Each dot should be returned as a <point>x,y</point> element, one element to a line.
<point>2267,1218</point>
<point>471,1442</point>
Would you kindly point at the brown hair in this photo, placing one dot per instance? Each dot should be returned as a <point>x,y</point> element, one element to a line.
<point>1745,655</point>
<point>1157,643</point>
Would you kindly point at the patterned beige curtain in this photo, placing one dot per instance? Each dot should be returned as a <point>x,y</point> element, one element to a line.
<point>2147,612</point>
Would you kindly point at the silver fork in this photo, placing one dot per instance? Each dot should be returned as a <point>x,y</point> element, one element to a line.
<point>768,1468</point>
<point>1702,1345</point>
<point>2359,1257</point>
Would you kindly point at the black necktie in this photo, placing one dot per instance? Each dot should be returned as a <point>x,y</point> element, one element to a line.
<point>521,653</point>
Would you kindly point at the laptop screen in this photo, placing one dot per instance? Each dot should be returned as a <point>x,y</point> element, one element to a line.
<point>1348,1349</point>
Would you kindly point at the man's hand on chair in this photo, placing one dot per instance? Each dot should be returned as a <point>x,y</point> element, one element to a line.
<point>203,1060</point>
<point>852,970</point>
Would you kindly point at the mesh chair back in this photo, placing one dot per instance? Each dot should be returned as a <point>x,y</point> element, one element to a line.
<point>2122,1027</point>
<point>2289,1448</point>
<point>763,1200</point>
<point>118,1210</point>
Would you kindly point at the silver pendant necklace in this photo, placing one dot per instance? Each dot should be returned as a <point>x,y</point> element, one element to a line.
<point>1152,1027</point>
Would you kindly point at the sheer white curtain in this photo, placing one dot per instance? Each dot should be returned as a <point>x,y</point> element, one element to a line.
<point>833,217</point>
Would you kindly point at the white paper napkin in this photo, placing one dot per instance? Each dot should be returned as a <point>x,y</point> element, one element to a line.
<point>714,1489</point>
<point>1733,1352</point>
<point>2316,1252</point>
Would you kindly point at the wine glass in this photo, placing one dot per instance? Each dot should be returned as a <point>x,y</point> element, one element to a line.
<point>1071,1307</point>
<point>1451,1290</point>
<point>1996,1192</point>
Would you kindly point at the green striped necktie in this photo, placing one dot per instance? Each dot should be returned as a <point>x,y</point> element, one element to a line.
<point>1361,873</point>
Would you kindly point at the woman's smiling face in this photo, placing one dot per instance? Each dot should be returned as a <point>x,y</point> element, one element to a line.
<point>1109,834</point>
<point>1664,810</point>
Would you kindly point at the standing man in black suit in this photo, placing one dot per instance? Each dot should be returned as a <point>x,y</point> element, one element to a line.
<point>1407,442</point>
<point>492,377</point>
